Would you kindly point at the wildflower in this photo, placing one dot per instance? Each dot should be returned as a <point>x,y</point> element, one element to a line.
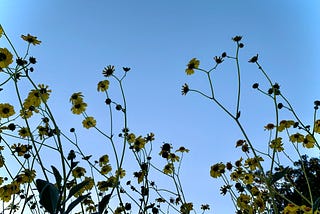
<point>248,178</point>
<point>168,169</point>
<point>131,138</point>
<point>5,58</point>
<point>291,209</point>
<point>269,126</point>
<point>205,207</point>
<point>218,59</point>
<point>31,39</point>
<point>32,60</point>
<point>306,210</point>
<point>105,169</point>
<point>108,71</point>
<point>182,149</point>
<point>193,64</point>
<point>103,160</point>
<point>126,69</point>
<point>24,132</point>
<point>20,149</point>
<point>285,124</point>
<point>1,31</point>
<point>217,170</point>
<point>237,38</point>
<point>29,175</point>
<point>89,122</point>
<point>259,204</point>
<point>277,144</point>
<point>243,201</point>
<point>317,126</point>
<point>79,107</point>
<point>78,172</point>
<point>44,92</point>
<point>139,143</point>
<point>186,208</point>
<point>103,85</point>
<point>224,189</point>
<point>253,163</point>
<point>76,98</point>
<point>185,89</point>
<point>308,141</point>
<point>120,172</point>
<point>237,174</point>
<point>297,137</point>
<point>254,59</point>
<point>150,137</point>
<point>6,110</point>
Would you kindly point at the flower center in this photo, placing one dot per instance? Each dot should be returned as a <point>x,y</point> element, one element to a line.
<point>5,110</point>
<point>3,57</point>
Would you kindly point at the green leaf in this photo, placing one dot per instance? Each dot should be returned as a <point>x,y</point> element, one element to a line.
<point>278,175</point>
<point>103,203</point>
<point>49,195</point>
<point>76,188</point>
<point>76,202</point>
<point>57,176</point>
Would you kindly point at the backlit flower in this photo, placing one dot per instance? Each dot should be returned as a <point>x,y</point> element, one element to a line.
<point>185,89</point>
<point>277,144</point>
<point>217,169</point>
<point>317,126</point>
<point>120,172</point>
<point>24,132</point>
<point>103,85</point>
<point>168,169</point>
<point>78,108</point>
<point>103,160</point>
<point>5,58</point>
<point>105,169</point>
<point>308,141</point>
<point>31,39</point>
<point>76,98</point>
<point>297,137</point>
<point>193,64</point>
<point>1,31</point>
<point>6,110</point>
<point>253,163</point>
<point>108,71</point>
<point>89,122</point>
<point>78,172</point>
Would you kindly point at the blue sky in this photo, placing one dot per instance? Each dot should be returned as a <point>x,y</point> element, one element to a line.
<point>157,39</point>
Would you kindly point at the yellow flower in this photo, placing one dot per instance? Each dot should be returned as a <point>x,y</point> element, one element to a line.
<point>131,138</point>
<point>308,141</point>
<point>76,98</point>
<point>44,92</point>
<point>78,107</point>
<point>31,39</point>
<point>306,210</point>
<point>168,169</point>
<point>139,143</point>
<point>253,163</point>
<point>120,172</point>
<point>248,178</point>
<point>5,58</point>
<point>182,149</point>
<point>78,172</point>
<point>186,208</point>
<point>291,209</point>
<point>285,124</point>
<point>217,169</point>
<point>105,169</point>
<point>243,201</point>
<point>6,110</point>
<point>103,85</point>
<point>89,122</point>
<point>103,160</point>
<point>297,137</point>
<point>24,132</point>
<point>193,64</point>
<point>1,31</point>
<point>317,126</point>
<point>277,144</point>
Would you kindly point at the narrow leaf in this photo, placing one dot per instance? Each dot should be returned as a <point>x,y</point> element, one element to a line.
<point>76,188</point>
<point>103,203</point>
<point>316,204</point>
<point>57,176</point>
<point>76,202</point>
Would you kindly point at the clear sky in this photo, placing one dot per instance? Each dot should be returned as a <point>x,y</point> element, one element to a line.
<point>157,39</point>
